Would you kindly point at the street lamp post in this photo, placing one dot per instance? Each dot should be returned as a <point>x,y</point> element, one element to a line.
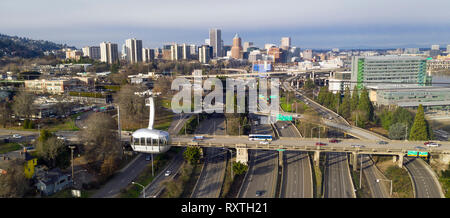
<point>389,180</point>
<point>143,188</point>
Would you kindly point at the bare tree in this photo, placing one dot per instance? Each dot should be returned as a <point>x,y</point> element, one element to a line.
<point>163,85</point>
<point>23,104</point>
<point>132,107</point>
<point>101,141</point>
<point>5,114</point>
<point>50,149</point>
<point>13,184</point>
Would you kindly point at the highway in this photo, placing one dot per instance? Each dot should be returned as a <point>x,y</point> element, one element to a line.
<point>263,169</point>
<point>211,178</point>
<point>425,185</point>
<point>337,179</point>
<point>371,174</point>
<point>297,173</point>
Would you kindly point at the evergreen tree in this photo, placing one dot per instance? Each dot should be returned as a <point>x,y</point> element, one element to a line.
<point>355,99</point>
<point>337,102</point>
<point>365,106</point>
<point>419,130</point>
<point>345,107</point>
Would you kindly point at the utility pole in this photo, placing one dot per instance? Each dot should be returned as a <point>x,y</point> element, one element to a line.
<point>71,151</point>
<point>360,172</point>
<point>406,132</point>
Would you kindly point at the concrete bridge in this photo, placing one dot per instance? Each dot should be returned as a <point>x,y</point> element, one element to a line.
<point>397,148</point>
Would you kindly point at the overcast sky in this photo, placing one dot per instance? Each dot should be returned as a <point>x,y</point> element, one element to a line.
<point>310,24</point>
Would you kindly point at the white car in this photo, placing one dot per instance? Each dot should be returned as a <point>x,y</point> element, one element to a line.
<point>167,173</point>
<point>433,144</point>
<point>264,142</point>
<point>17,136</point>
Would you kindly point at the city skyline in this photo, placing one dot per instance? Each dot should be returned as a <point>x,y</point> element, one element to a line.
<point>347,24</point>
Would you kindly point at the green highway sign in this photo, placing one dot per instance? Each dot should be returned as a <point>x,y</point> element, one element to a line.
<point>423,154</point>
<point>284,118</point>
<point>281,150</point>
<point>412,153</point>
<point>273,96</point>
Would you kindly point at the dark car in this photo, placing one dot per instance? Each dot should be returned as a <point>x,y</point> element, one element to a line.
<point>320,144</point>
<point>382,142</point>
<point>259,193</point>
<point>147,158</point>
<point>334,141</point>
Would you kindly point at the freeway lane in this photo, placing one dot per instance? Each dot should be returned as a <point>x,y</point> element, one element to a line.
<point>297,177</point>
<point>423,181</point>
<point>371,174</point>
<point>337,180</point>
<point>262,174</point>
<point>210,181</point>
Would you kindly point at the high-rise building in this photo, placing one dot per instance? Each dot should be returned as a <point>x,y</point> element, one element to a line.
<point>215,41</point>
<point>236,49</point>
<point>374,70</point>
<point>193,49</point>
<point>93,52</point>
<point>176,52</point>
<point>434,47</point>
<point>74,54</point>
<point>148,55</point>
<point>285,43</point>
<point>109,52</point>
<point>124,54</point>
<point>134,50</point>
<point>247,45</point>
<point>205,53</point>
<point>186,51</point>
<point>307,54</point>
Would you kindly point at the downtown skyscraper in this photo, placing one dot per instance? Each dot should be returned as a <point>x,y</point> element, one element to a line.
<point>215,41</point>
<point>109,53</point>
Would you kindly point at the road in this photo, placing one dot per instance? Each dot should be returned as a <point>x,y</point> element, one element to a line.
<point>423,181</point>
<point>126,175</point>
<point>371,174</point>
<point>337,178</point>
<point>297,176</point>
<point>209,183</point>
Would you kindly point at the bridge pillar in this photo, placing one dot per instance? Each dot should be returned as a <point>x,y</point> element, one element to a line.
<point>298,84</point>
<point>400,160</point>
<point>316,158</point>
<point>394,158</point>
<point>355,160</point>
<point>242,155</point>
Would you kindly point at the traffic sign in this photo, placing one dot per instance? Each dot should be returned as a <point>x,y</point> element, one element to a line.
<point>412,153</point>
<point>284,118</point>
<point>273,96</point>
<point>423,154</point>
<point>281,150</point>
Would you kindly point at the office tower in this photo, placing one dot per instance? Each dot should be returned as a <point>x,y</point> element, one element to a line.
<point>215,41</point>
<point>285,43</point>
<point>373,70</point>
<point>134,50</point>
<point>307,54</point>
<point>236,49</point>
<point>205,53</point>
<point>268,46</point>
<point>226,49</point>
<point>109,52</point>
<point>247,45</point>
<point>186,51</point>
<point>148,55</point>
<point>277,54</point>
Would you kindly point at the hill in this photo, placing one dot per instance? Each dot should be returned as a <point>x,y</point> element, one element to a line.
<point>14,46</point>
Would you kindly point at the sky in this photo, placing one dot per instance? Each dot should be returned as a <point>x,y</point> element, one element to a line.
<point>310,24</point>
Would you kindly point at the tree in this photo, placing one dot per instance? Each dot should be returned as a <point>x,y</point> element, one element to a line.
<point>163,85</point>
<point>132,107</point>
<point>50,149</point>
<point>100,140</point>
<point>192,154</point>
<point>386,119</point>
<point>309,84</point>
<point>345,107</point>
<point>23,104</point>
<point>365,106</point>
<point>355,99</point>
<point>5,114</point>
<point>13,184</point>
<point>239,168</point>
<point>419,130</point>
<point>397,131</point>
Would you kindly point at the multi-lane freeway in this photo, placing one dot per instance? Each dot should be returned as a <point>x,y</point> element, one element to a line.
<point>337,179</point>
<point>424,182</point>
